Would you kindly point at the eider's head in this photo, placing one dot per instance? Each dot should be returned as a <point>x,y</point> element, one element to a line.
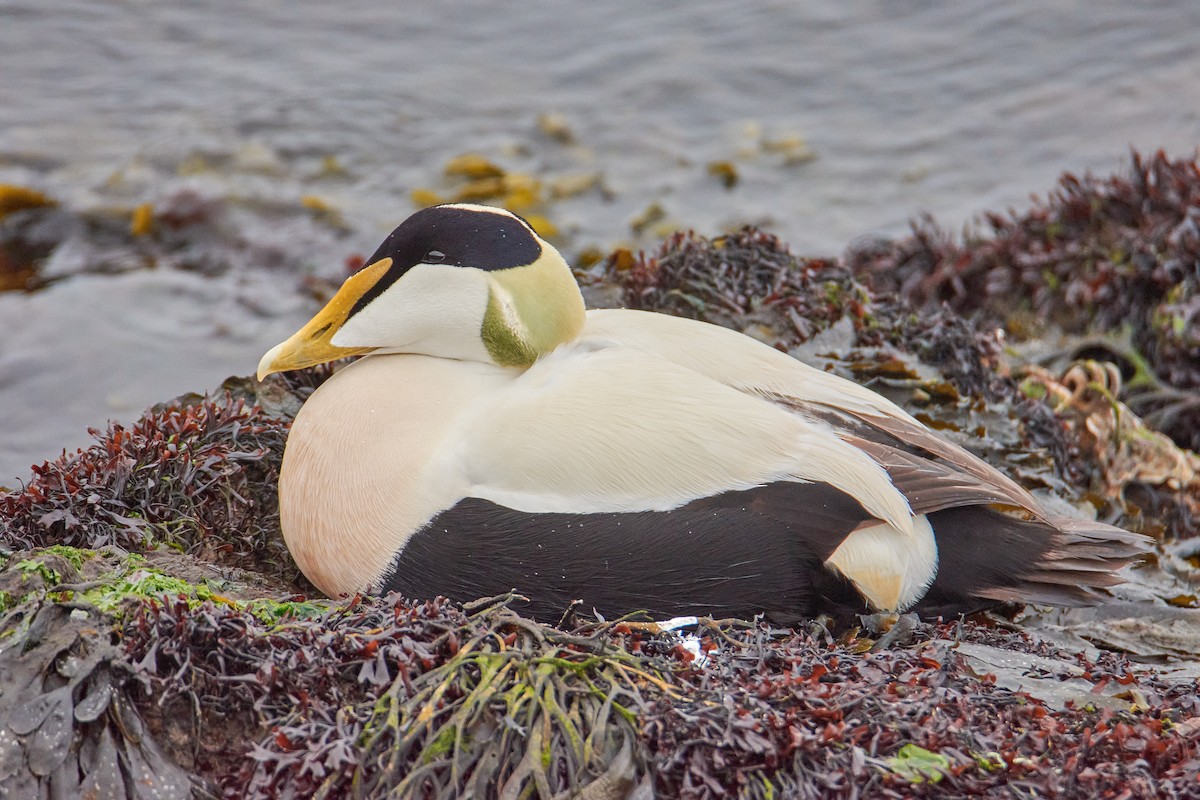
<point>455,281</point>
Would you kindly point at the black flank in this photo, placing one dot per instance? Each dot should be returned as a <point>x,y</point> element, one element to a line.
<point>738,554</point>
<point>719,557</point>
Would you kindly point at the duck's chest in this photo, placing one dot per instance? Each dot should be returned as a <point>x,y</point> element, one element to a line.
<point>366,463</point>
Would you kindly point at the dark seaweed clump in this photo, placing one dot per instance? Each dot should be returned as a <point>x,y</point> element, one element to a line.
<point>964,353</point>
<point>385,696</point>
<point>1097,255</point>
<point>423,700</point>
<point>747,280</point>
<point>828,720</point>
<point>199,476</point>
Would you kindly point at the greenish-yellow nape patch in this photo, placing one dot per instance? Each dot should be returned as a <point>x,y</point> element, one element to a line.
<point>531,310</point>
<point>504,344</point>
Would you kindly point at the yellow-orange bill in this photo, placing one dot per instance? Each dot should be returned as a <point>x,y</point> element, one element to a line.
<point>313,343</point>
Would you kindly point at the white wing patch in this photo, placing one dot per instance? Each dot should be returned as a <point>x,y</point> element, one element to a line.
<point>594,428</point>
<point>755,368</point>
<point>735,360</point>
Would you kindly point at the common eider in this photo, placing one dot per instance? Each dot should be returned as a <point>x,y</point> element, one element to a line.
<point>497,435</point>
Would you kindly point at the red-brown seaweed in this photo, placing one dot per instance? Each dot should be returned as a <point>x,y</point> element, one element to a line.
<point>192,687</point>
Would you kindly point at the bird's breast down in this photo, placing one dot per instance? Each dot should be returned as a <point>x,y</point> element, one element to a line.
<point>361,468</point>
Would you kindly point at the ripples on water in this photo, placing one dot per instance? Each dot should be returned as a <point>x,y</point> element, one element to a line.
<point>947,108</point>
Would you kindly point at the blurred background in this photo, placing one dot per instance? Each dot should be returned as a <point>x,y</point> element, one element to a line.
<point>183,178</point>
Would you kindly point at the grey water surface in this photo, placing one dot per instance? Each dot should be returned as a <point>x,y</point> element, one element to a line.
<point>950,108</point>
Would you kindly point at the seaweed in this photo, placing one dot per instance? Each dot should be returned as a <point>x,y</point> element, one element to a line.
<point>1097,254</point>
<point>384,696</point>
<point>68,727</point>
<point>798,716</point>
<point>1128,468</point>
<point>747,280</point>
<point>478,179</point>
<point>198,476</point>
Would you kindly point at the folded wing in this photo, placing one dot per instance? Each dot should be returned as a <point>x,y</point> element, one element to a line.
<point>995,540</point>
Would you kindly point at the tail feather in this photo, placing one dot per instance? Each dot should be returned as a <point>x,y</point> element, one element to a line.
<point>1112,540</point>
<point>986,555</point>
<point>1071,567</point>
<point>1044,594</point>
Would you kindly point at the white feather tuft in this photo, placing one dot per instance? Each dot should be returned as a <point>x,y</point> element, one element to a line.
<point>892,570</point>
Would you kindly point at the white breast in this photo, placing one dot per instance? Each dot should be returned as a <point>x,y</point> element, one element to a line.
<point>360,469</point>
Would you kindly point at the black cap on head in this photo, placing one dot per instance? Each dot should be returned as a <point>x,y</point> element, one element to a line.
<point>458,236</point>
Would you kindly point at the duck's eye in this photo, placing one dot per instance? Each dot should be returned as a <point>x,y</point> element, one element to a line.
<point>434,257</point>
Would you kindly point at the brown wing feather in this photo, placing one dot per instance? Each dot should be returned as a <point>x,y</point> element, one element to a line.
<point>919,436</point>
<point>892,442</point>
<point>928,484</point>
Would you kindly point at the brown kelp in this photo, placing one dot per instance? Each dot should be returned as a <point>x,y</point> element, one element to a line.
<point>197,475</point>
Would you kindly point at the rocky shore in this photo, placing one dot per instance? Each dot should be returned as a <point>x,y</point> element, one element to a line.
<point>157,641</point>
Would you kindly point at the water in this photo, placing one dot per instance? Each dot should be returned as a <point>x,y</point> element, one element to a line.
<point>946,108</point>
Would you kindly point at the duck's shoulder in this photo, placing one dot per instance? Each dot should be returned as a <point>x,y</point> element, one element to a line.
<point>728,357</point>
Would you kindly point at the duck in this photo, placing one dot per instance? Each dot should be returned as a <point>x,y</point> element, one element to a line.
<point>495,435</point>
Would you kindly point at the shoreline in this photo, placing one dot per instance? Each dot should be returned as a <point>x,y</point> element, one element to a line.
<point>141,556</point>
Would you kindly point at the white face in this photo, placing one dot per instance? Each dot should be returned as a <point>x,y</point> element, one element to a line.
<point>432,309</point>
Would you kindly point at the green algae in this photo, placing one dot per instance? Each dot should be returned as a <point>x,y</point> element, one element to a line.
<point>114,583</point>
<point>74,555</point>
<point>278,612</point>
<point>917,765</point>
<point>125,585</point>
<point>33,568</point>
<point>1034,390</point>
